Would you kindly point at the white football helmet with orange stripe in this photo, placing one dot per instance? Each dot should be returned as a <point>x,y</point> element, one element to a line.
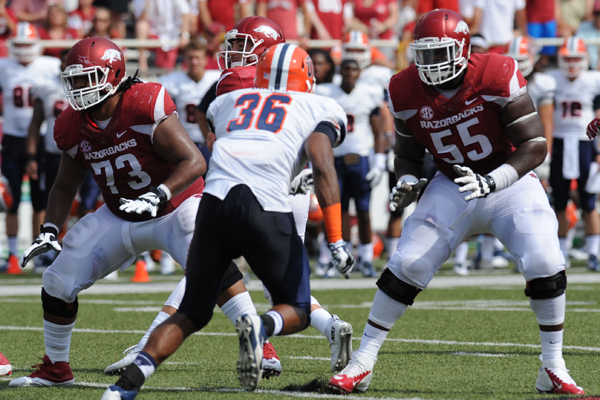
<point>285,67</point>
<point>573,57</point>
<point>355,46</point>
<point>523,50</point>
<point>25,44</point>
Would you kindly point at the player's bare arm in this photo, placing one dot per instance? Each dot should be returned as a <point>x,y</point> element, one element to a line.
<point>409,154</point>
<point>33,135</point>
<point>173,143</point>
<point>320,153</point>
<point>71,175</point>
<point>524,128</point>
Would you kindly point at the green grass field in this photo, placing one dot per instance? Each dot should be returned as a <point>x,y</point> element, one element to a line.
<point>465,340</point>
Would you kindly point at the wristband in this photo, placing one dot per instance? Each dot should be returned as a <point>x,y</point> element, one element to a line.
<point>49,227</point>
<point>380,160</point>
<point>162,196</point>
<point>332,215</point>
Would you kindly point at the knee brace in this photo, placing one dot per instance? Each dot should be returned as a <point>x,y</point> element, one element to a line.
<point>57,307</point>
<point>547,288</point>
<point>397,289</point>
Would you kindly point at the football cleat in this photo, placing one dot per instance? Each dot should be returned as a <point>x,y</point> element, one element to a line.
<point>367,269</point>
<point>271,365</point>
<point>118,367</point>
<point>592,263</point>
<point>115,392</point>
<point>340,343</point>
<point>167,264</point>
<point>461,269</point>
<point>356,376</point>
<point>5,367</point>
<point>252,337</point>
<point>47,374</point>
<point>554,377</point>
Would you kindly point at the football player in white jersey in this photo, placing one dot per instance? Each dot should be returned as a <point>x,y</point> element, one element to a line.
<point>260,133</point>
<point>20,72</point>
<point>572,151</point>
<point>362,104</point>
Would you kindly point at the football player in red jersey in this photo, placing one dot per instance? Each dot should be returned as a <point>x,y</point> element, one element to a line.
<point>474,115</point>
<point>149,170</point>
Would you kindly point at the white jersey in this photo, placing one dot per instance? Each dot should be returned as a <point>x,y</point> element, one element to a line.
<point>187,94</point>
<point>358,105</point>
<point>260,134</point>
<point>51,93</point>
<point>17,81</point>
<point>541,88</point>
<point>372,75</point>
<point>574,103</point>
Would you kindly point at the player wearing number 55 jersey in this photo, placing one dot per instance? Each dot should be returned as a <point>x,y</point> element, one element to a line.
<point>468,112</point>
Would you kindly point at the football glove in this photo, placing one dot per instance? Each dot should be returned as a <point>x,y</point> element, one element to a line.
<point>593,128</point>
<point>341,257</point>
<point>469,181</point>
<point>376,172</point>
<point>302,183</point>
<point>149,202</point>
<point>405,193</point>
<point>45,242</point>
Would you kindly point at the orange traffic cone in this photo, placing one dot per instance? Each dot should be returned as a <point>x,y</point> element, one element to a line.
<point>141,274</point>
<point>13,265</point>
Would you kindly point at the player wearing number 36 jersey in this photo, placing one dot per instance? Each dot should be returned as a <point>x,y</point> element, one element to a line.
<point>474,115</point>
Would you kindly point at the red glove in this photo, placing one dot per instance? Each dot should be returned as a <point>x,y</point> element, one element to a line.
<point>593,128</point>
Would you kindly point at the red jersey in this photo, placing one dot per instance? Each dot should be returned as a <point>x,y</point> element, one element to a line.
<point>236,78</point>
<point>121,156</point>
<point>331,14</point>
<point>539,11</point>
<point>69,34</point>
<point>221,11</point>
<point>464,129</point>
<point>379,10</point>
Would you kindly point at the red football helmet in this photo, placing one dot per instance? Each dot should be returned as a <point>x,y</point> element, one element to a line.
<point>257,34</point>
<point>25,43</point>
<point>285,67</point>
<point>573,57</point>
<point>355,46</point>
<point>523,50</point>
<point>95,69</point>
<point>441,46</point>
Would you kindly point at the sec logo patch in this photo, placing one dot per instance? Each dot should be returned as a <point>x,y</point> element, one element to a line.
<point>426,113</point>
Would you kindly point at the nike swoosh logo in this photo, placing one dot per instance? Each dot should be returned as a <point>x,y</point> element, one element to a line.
<point>555,342</point>
<point>470,101</point>
<point>121,134</point>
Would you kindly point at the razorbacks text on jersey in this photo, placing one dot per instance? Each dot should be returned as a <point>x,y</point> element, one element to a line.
<point>51,93</point>
<point>186,93</point>
<point>259,135</point>
<point>121,156</point>
<point>541,88</point>
<point>17,81</point>
<point>464,129</point>
<point>574,103</point>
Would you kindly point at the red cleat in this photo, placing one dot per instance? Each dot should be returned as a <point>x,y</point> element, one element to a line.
<point>270,364</point>
<point>5,367</point>
<point>554,378</point>
<point>356,376</point>
<point>47,374</point>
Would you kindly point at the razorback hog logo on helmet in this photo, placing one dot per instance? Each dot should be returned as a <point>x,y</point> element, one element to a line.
<point>267,31</point>
<point>462,27</point>
<point>111,55</point>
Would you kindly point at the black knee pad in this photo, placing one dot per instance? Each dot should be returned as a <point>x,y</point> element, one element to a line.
<point>57,307</point>
<point>232,275</point>
<point>547,288</point>
<point>397,289</point>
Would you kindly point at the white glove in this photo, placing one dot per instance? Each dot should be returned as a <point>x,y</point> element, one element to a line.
<point>302,183</point>
<point>376,172</point>
<point>469,181</point>
<point>405,193</point>
<point>45,242</point>
<point>341,258</point>
<point>149,202</point>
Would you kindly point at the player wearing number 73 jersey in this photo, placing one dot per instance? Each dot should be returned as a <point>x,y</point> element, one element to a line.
<point>475,117</point>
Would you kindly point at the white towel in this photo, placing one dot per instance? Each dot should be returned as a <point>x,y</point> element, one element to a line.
<point>593,182</point>
<point>570,158</point>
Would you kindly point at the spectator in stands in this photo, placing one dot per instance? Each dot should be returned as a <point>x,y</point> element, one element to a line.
<point>495,19</point>
<point>56,28</point>
<point>425,6</point>
<point>214,35</point>
<point>572,13</point>
<point>8,23</point>
<point>329,19</point>
<point>376,18</point>
<point>283,13</point>
<point>102,25</point>
<point>34,11</point>
<point>83,16</point>
<point>165,20</point>
<point>324,66</point>
<point>222,11</point>
<point>591,30</point>
<point>542,23</point>
<point>118,9</point>
<point>467,10</point>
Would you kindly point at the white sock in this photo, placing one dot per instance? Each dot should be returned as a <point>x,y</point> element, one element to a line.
<point>365,252</point>
<point>562,242</point>
<point>146,364</point>
<point>57,339</point>
<point>371,342</point>
<point>392,245</point>
<point>552,343</point>
<point>278,319</point>
<point>160,318</point>
<point>321,320</point>
<point>592,244</point>
<point>460,256</point>
<point>13,245</point>
<point>238,305</point>
<point>487,248</point>
<point>324,253</point>
<point>570,238</point>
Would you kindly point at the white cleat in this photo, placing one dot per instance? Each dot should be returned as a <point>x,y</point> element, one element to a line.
<point>252,337</point>
<point>554,377</point>
<point>167,264</point>
<point>118,367</point>
<point>461,269</point>
<point>356,376</point>
<point>340,343</point>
